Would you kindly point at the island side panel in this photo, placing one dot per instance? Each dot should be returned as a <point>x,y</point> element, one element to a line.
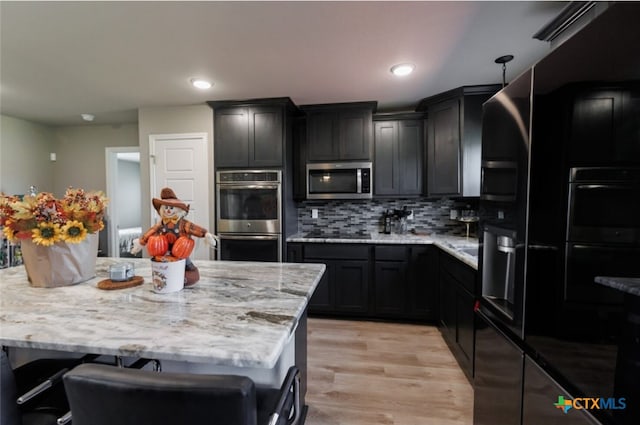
<point>301,354</point>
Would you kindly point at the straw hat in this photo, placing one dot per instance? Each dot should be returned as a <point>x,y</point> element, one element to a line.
<point>168,197</point>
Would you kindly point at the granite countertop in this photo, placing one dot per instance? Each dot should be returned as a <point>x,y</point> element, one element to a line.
<point>630,285</point>
<point>239,314</point>
<point>464,249</point>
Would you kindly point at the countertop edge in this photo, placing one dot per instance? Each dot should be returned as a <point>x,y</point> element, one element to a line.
<point>629,285</point>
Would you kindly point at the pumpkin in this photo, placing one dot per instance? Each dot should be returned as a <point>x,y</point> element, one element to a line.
<point>182,247</point>
<point>171,237</point>
<point>157,245</point>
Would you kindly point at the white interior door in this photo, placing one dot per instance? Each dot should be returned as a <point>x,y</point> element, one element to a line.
<point>180,161</point>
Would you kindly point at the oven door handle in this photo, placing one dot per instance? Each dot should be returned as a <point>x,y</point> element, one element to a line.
<point>247,186</point>
<point>250,237</point>
<point>602,186</point>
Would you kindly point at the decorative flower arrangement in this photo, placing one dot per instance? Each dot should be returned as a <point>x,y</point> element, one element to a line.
<point>47,220</point>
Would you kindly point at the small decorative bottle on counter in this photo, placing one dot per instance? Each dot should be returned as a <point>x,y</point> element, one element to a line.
<point>387,222</point>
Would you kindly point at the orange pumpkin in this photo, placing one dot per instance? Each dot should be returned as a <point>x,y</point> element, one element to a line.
<point>171,237</point>
<point>182,247</point>
<point>157,245</point>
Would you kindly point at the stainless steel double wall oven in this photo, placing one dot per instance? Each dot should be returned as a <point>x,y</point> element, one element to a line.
<point>249,215</point>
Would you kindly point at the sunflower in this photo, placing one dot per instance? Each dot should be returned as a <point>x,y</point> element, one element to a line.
<point>9,233</point>
<point>46,234</point>
<point>73,232</point>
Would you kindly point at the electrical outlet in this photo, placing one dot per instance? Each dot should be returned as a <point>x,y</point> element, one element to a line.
<point>314,213</point>
<point>410,216</point>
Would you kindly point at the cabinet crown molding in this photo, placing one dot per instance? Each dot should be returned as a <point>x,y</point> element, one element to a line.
<point>457,92</point>
<point>284,101</point>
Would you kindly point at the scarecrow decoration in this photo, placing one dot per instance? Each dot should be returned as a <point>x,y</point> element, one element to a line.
<point>171,238</point>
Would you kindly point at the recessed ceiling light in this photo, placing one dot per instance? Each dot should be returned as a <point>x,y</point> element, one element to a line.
<point>88,117</point>
<point>201,84</point>
<point>402,69</point>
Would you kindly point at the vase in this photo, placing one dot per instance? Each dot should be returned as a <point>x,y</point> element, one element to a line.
<point>61,264</point>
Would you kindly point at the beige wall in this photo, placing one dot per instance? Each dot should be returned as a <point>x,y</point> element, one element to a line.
<point>172,120</point>
<point>25,149</point>
<point>24,156</point>
<point>80,152</point>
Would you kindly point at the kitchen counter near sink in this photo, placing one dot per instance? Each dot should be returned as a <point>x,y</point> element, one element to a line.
<point>464,249</point>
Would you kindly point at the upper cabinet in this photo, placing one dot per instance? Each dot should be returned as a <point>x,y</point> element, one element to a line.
<point>251,133</point>
<point>398,154</point>
<point>339,132</point>
<point>454,120</point>
<point>604,126</point>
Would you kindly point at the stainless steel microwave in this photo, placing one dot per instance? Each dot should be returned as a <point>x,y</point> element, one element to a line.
<point>340,180</point>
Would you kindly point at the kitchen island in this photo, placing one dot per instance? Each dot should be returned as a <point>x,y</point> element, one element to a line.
<point>627,373</point>
<point>241,317</point>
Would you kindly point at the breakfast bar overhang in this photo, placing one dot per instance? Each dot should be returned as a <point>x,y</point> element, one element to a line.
<point>245,318</point>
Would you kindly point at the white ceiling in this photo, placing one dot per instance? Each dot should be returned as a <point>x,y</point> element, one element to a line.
<point>60,59</point>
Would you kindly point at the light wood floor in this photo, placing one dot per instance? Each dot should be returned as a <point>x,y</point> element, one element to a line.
<point>370,373</point>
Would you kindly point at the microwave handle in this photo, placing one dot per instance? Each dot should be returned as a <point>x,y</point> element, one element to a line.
<point>359,180</point>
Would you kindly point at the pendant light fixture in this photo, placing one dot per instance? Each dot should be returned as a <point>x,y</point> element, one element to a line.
<point>503,60</point>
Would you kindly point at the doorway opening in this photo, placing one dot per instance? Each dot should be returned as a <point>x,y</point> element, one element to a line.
<point>124,212</point>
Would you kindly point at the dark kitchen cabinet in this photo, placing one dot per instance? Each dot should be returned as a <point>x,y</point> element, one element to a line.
<point>344,288</point>
<point>351,285</point>
<point>339,132</point>
<point>423,285</point>
<point>398,154</point>
<point>404,282</point>
<point>251,133</point>
<point>447,306</point>
<point>631,124</point>
<point>456,282</point>
<point>391,280</point>
<point>444,163</point>
<point>604,127</point>
<point>299,158</point>
<point>294,253</point>
<point>395,282</point>
<point>454,120</point>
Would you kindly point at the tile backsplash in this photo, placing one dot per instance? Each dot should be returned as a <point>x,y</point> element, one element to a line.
<point>353,216</point>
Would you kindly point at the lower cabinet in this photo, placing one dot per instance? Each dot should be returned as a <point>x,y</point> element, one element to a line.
<point>541,394</point>
<point>344,288</point>
<point>391,269</point>
<point>404,282</point>
<point>351,285</point>
<point>393,282</point>
<point>456,284</point>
